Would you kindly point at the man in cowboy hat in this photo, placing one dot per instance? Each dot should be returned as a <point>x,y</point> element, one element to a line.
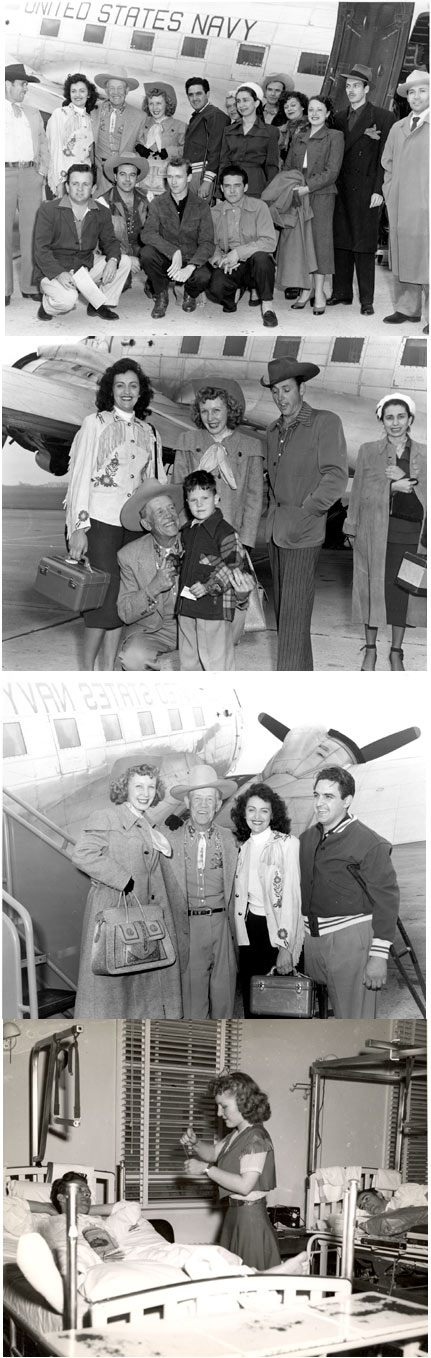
<point>204,134</point>
<point>307,472</point>
<point>199,880</point>
<point>26,157</point>
<point>405,162</point>
<point>127,205</point>
<point>67,233</point>
<point>245,241</point>
<point>118,126</point>
<point>365,127</point>
<point>149,575</point>
<point>276,89</point>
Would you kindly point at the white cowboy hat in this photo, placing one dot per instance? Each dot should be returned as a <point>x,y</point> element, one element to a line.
<point>415,78</point>
<point>200,776</point>
<point>119,74</point>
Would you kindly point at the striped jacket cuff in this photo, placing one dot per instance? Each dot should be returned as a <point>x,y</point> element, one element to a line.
<point>380,948</point>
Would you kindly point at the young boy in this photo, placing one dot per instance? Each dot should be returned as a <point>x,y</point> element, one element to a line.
<point>206,597</point>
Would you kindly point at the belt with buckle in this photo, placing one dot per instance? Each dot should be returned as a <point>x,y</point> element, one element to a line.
<point>218,910</point>
<point>19,164</point>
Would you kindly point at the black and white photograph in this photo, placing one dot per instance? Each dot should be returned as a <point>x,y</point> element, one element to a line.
<point>214,398</point>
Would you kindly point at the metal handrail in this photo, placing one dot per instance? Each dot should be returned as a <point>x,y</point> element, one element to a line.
<point>8,811</point>
<point>27,925</point>
<point>40,816</point>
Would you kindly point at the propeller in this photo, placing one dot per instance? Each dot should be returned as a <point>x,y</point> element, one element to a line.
<point>275,728</point>
<point>387,744</point>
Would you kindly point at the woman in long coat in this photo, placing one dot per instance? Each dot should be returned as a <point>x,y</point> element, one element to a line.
<point>318,152</point>
<point>235,459</point>
<point>405,161</point>
<point>250,142</point>
<point>386,518</point>
<point>120,850</point>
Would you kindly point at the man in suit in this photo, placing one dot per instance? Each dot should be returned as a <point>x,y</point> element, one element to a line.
<point>199,881</point>
<point>149,575</point>
<point>26,156</point>
<point>203,138</point>
<point>177,240</point>
<point>118,126</point>
<point>307,472</point>
<point>405,162</point>
<point>365,127</point>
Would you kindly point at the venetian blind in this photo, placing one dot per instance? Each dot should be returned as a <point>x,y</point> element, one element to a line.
<point>414,1161</point>
<point>167,1066</point>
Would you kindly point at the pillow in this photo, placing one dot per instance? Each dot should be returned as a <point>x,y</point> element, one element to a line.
<point>36,1263</point>
<point>408,1195</point>
<point>32,1191</point>
<point>118,1279</point>
<point>16,1216</point>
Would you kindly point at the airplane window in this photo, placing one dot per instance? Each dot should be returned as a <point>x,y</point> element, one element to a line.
<point>13,740</point>
<point>144,42</point>
<point>94,33</point>
<point>414,354</point>
<point>198,716</point>
<point>250,56</point>
<point>175,719</point>
<point>146,724</point>
<point>49,28</point>
<point>347,350</point>
<point>313,63</point>
<point>194,47</point>
<point>111,728</point>
<point>287,348</point>
<point>67,733</point>
<point>234,346</point>
<point>190,344</point>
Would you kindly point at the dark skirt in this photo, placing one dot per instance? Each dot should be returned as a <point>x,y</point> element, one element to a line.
<point>247,1231</point>
<point>104,541</point>
<point>257,958</point>
<point>397,599</point>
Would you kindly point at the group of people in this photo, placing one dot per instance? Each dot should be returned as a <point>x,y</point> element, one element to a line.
<point>235,903</point>
<point>177,546</point>
<point>280,192</point>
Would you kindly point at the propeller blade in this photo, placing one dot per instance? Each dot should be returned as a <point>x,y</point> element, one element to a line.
<point>387,744</point>
<point>275,728</point>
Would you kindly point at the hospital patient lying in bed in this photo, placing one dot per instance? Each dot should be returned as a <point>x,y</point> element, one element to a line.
<point>380,1218</point>
<point>127,1244</point>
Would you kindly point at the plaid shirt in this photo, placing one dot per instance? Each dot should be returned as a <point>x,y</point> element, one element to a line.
<point>210,548</point>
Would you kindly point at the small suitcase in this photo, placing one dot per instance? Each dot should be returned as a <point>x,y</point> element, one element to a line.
<point>73,584</point>
<point>277,996</point>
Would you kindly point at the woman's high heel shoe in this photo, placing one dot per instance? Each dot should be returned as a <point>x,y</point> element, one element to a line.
<point>319,310</point>
<point>298,305</point>
<point>398,663</point>
<point>369,664</point>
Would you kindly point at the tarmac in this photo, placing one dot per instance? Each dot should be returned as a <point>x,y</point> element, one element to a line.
<point>135,308</point>
<point>39,635</point>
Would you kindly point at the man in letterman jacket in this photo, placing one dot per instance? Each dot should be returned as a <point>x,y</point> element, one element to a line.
<point>350,899</point>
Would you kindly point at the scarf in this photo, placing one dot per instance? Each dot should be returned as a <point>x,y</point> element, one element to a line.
<point>216,457</point>
<point>154,135</point>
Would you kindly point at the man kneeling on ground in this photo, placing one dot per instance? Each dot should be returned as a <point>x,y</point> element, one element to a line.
<point>67,233</point>
<point>245,240</point>
<point>149,570</point>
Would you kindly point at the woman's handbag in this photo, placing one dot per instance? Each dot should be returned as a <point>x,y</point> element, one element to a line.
<point>255,620</point>
<point>412,574</point>
<point>128,938</point>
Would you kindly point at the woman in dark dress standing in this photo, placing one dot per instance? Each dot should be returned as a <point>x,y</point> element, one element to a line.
<point>251,142</point>
<point>243,1167</point>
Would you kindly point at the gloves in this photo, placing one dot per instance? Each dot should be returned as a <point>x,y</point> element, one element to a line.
<point>142,150</point>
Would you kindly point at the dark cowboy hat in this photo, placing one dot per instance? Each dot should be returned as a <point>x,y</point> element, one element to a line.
<point>18,72</point>
<point>163,88</point>
<point>280,369</point>
<point>125,158</point>
<point>141,497</point>
<point>359,72</point>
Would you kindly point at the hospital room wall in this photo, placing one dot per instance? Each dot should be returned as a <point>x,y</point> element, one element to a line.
<point>276,1054</point>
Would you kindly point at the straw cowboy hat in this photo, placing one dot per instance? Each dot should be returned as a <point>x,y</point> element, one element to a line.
<point>162,87</point>
<point>415,78</point>
<point>119,74</point>
<point>150,490</point>
<point>203,776</point>
<point>288,82</point>
<point>280,369</point>
<point>125,158</point>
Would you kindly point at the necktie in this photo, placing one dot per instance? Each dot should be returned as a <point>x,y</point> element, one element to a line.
<point>414,121</point>
<point>202,852</point>
<point>17,111</point>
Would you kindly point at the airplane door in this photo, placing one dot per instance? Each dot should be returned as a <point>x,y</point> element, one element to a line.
<point>376,36</point>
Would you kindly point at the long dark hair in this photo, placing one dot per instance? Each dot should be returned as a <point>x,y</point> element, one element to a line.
<point>279,817</point>
<point>105,390</point>
<point>93,93</point>
<point>327,103</point>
